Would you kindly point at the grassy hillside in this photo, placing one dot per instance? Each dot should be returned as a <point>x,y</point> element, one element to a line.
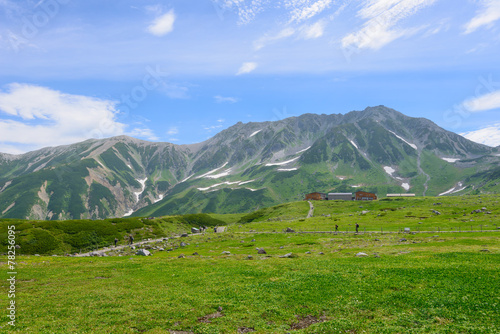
<point>70,236</point>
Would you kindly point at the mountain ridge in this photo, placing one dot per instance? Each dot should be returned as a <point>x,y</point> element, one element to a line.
<point>244,167</point>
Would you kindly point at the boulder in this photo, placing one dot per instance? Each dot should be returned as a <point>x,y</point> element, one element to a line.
<point>402,240</point>
<point>249,257</point>
<point>226,253</point>
<point>143,252</point>
<point>261,251</point>
<point>289,230</point>
<point>361,254</point>
<point>289,255</point>
<point>183,244</point>
<point>184,235</point>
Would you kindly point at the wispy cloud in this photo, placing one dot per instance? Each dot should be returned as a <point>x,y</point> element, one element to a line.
<point>312,31</point>
<point>485,16</point>
<point>173,130</point>
<point>225,99</point>
<point>268,39</point>
<point>247,68</point>
<point>488,136</point>
<point>382,16</point>
<point>163,24</point>
<point>484,102</point>
<point>35,117</point>
<point>305,10</point>
<point>145,133</point>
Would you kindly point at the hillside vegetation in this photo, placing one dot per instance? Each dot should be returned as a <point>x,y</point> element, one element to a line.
<point>71,236</point>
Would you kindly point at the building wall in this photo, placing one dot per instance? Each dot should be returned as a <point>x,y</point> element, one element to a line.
<point>364,196</point>
<point>340,196</point>
<point>315,197</point>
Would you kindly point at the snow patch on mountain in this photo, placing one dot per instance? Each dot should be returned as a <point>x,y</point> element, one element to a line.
<point>281,163</point>
<point>453,190</point>
<point>354,144</point>
<point>159,199</point>
<point>452,160</point>
<point>143,187</point>
<point>405,186</point>
<point>245,182</point>
<point>128,213</point>
<point>187,178</point>
<point>219,184</point>
<point>212,171</point>
<point>301,151</point>
<point>218,176</point>
<point>412,145</point>
<point>286,169</point>
<point>253,134</point>
<point>389,170</point>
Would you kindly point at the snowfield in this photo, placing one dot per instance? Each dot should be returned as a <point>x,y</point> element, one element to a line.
<point>389,170</point>
<point>412,145</point>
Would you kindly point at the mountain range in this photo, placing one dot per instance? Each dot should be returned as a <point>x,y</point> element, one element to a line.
<point>246,167</point>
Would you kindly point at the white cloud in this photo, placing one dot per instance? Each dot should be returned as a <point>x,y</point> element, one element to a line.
<point>488,136</point>
<point>163,24</point>
<point>312,31</point>
<point>266,39</point>
<point>308,9</point>
<point>485,16</point>
<point>173,130</point>
<point>143,133</point>
<point>221,120</point>
<point>228,99</point>
<point>485,102</point>
<point>247,68</point>
<point>35,117</point>
<point>382,16</point>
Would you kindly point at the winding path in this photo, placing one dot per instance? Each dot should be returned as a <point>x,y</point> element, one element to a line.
<point>311,210</point>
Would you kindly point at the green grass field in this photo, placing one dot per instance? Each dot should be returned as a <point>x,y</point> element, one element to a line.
<point>408,283</point>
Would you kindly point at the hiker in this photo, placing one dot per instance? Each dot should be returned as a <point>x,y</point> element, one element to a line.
<point>336,228</point>
<point>357,226</point>
<point>131,239</point>
<point>215,229</point>
<point>116,240</point>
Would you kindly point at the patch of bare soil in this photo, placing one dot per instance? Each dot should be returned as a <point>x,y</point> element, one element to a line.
<point>306,321</point>
<point>207,319</point>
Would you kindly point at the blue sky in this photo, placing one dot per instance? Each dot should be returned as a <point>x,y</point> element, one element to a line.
<point>181,71</point>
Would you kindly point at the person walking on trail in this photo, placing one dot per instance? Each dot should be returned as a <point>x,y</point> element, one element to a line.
<point>357,227</point>
<point>116,241</point>
<point>215,229</point>
<point>131,239</point>
<point>336,228</point>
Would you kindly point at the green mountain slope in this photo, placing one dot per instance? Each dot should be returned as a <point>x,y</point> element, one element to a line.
<point>246,167</point>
